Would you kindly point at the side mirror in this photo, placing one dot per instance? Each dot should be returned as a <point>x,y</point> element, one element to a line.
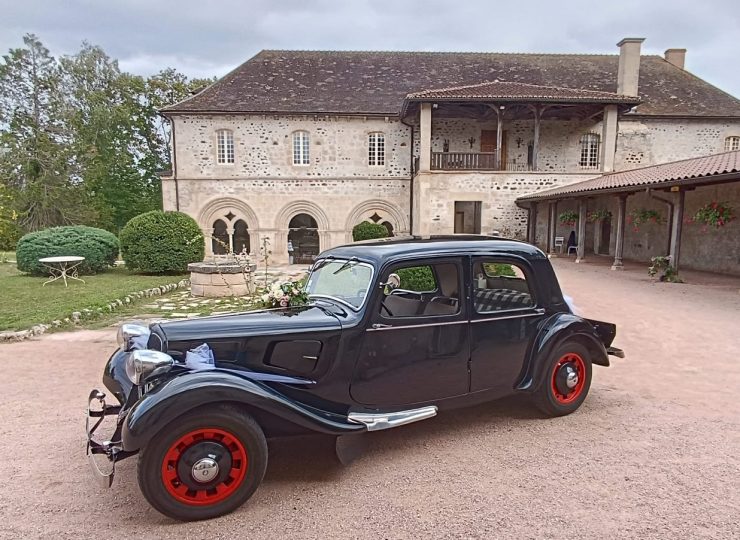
<point>393,282</point>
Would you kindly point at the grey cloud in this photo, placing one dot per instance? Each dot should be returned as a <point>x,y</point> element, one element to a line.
<point>209,38</point>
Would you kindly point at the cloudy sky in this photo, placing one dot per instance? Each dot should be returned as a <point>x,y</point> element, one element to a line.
<point>203,38</point>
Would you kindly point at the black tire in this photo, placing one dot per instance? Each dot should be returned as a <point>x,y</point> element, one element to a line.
<point>192,437</point>
<point>547,398</point>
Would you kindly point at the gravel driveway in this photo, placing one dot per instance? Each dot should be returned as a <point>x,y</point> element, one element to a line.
<point>653,453</point>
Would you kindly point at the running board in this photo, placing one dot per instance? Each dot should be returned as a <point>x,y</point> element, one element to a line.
<point>378,421</point>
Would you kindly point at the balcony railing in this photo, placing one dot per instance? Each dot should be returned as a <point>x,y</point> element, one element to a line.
<point>474,161</point>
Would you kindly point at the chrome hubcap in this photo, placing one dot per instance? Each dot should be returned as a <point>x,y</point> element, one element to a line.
<point>571,379</point>
<point>204,470</point>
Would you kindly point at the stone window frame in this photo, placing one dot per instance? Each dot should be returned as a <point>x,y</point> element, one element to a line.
<point>225,154</point>
<point>590,146</point>
<point>301,148</point>
<point>732,143</point>
<point>376,149</point>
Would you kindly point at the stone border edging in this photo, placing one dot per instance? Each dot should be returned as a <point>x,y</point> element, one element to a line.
<point>89,314</point>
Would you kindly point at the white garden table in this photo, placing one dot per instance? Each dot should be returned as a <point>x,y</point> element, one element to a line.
<point>62,268</point>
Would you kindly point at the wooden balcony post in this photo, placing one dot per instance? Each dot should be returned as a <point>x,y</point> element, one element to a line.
<point>551,228</point>
<point>537,110</point>
<point>499,135</point>
<point>619,243</point>
<point>532,223</point>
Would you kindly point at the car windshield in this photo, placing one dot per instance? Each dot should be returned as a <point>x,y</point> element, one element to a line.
<point>345,280</point>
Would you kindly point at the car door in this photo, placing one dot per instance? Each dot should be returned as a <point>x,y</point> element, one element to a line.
<point>504,320</point>
<point>415,346</point>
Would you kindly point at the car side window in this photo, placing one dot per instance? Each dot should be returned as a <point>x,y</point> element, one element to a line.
<point>430,290</point>
<point>500,286</point>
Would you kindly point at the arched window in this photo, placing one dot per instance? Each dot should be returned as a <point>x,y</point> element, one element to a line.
<point>590,144</point>
<point>300,148</point>
<point>241,237</point>
<point>388,227</point>
<point>220,238</point>
<point>732,143</point>
<point>225,152</point>
<point>376,148</point>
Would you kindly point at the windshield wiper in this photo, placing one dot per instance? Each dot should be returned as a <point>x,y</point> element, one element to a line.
<point>353,261</point>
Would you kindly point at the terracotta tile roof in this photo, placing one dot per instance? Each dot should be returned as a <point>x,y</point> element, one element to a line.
<point>498,90</point>
<point>346,82</point>
<point>686,171</point>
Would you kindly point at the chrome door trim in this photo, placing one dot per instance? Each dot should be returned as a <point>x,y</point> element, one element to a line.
<point>405,326</point>
<point>537,313</point>
<point>378,421</point>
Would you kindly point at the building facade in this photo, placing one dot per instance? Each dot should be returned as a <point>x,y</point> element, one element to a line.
<point>298,147</point>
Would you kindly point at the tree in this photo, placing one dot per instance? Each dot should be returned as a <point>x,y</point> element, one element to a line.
<point>35,137</point>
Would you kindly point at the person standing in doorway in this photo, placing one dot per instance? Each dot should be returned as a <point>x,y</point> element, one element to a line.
<point>290,251</point>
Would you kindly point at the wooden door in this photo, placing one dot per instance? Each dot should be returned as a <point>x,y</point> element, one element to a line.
<point>488,143</point>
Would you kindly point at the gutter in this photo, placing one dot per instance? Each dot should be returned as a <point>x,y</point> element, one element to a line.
<point>174,161</point>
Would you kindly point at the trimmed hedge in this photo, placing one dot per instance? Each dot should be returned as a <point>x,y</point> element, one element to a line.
<point>98,246</point>
<point>160,242</point>
<point>368,231</point>
<point>417,278</point>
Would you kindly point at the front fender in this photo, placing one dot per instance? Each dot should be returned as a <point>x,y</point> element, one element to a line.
<point>191,390</point>
<point>554,331</point>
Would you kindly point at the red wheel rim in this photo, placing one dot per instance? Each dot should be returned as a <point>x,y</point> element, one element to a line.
<point>212,494</point>
<point>579,366</point>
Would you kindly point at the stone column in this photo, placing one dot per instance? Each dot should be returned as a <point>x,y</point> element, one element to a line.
<point>425,137</point>
<point>581,249</point>
<point>532,232</point>
<point>551,226</point>
<point>609,138</point>
<point>207,233</point>
<point>676,228</point>
<point>621,219</point>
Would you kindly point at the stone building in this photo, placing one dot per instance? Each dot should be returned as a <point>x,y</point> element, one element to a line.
<point>298,147</point>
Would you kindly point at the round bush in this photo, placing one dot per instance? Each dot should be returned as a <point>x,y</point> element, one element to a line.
<point>368,231</point>
<point>160,242</point>
<point>98,246</point>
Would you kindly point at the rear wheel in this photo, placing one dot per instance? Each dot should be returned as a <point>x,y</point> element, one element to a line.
<point>206,467</point>
<point>566,382</point>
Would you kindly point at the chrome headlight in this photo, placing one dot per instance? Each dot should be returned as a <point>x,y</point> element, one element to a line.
<point>141,364</point>
<point>132,336</point>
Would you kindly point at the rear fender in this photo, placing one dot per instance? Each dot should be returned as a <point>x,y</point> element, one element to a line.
<point>192,390</point>
<point>556,330</point>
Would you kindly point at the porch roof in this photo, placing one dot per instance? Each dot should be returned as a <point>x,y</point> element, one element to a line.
<point>710,169</point>
<point>518,91</point>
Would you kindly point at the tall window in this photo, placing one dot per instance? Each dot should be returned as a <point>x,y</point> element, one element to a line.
<point>225,146</point>
<point>376,149</point>
<point>732,143</point>
<point>300,148</point>
<point>590,143</point>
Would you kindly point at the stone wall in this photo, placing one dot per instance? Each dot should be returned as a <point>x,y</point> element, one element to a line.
<point>643,142</point>
<point>497,192</point>
<point>263,147</point>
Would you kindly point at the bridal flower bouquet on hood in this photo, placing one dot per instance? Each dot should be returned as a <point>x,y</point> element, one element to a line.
<point>284,294</point>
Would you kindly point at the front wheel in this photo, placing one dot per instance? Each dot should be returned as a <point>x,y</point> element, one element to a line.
<point>207,466</point>
<point>566,382</point>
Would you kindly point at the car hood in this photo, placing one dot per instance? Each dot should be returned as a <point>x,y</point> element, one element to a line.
<point>252,323</point>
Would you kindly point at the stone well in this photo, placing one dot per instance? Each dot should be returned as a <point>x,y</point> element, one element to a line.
<point>221,279</point>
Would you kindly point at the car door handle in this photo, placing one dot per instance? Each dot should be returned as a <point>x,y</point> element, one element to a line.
<point>378,326</point>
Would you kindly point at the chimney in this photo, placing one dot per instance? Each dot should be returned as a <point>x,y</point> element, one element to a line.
<point>677,57</point>
<point>629,66</point>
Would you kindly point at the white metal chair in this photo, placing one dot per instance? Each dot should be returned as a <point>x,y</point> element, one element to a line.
<point>559,243</point>
<point>574,248</point>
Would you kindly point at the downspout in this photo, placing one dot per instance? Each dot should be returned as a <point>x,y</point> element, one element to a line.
<point>671,209</point>
<point>174,162</point>
<point>411,186</point>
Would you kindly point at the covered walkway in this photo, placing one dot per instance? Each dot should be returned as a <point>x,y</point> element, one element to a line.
<point>652,214</point>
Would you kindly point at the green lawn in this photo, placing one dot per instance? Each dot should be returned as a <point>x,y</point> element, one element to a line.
<point>25,302</point>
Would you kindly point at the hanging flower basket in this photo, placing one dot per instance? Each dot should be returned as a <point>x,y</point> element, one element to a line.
<point>714,214</point>
<point>596,215</point>
<point>642,216</point>
<point>568,218</point>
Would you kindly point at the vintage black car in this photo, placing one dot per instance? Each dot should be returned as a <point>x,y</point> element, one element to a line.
<point>394,331</point>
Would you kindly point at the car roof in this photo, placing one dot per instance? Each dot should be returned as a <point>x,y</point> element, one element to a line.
<point>405,247</point>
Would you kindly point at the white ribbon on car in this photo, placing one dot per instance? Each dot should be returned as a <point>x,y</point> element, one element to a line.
<point>200,358</point>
